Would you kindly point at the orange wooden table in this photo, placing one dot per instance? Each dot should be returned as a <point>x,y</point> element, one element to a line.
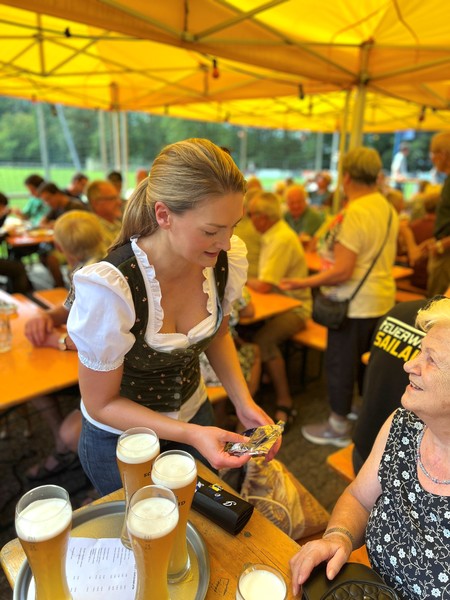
<point>269,305</point>
<point>26,371</point>
<point>314,263</point>
<point>52,297</point>
<point>259,542</point>
<point>30,238</point>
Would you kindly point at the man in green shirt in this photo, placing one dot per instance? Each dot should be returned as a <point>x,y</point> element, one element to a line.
<point>299,216</point>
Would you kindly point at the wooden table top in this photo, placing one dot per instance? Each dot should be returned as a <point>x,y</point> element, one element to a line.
<point>314,263</point>
<point>259,542</point>
<point>52,297</point>
<point>269,305</point>
<point>26,371</point>
<point>30,238</point>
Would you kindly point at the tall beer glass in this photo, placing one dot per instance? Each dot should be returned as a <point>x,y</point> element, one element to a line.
<point>43,522</point>
<point>177,470</point>
<point>152,520</point>
<point>136,450</point>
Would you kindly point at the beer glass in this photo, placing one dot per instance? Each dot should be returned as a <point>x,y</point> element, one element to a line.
<point>177,470</point>
<point>135,452</point>
<point>152,520</point>
<point>43,522</point>
<point>257,582</point>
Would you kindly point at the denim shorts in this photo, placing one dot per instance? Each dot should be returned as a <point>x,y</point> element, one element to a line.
<point>97,451</point>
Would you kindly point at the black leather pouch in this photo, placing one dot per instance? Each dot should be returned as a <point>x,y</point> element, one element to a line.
<point>354,581</point>
<point>223,508</point>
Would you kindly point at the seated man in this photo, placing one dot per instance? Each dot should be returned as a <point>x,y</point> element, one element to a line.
<point>301,217</point>
<point>105,202</point>
<point>281,256</point>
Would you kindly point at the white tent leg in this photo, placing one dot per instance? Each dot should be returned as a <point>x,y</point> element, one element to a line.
<point>102,141</point>
<point>43,139</point>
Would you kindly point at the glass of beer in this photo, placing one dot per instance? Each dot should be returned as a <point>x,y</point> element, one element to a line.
<point>152,520</point>
<point>261,581</point>
<point>177,470</point>
<point>136,450</point>
<point>43,523</point>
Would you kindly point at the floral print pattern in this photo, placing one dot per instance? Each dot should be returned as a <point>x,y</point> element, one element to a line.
<point>408,532</point>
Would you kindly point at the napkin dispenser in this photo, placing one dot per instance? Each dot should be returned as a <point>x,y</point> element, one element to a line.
<point>223,508</point>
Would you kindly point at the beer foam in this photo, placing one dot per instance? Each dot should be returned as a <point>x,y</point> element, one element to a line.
<point>152,518</point>
<point>262,585</point>
<point>137,448</point>
<point>43,519</point>
<point>174,471</point>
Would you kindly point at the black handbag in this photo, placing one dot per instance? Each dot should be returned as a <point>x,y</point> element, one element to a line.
<point>332,313</point>
<point>354,581</point>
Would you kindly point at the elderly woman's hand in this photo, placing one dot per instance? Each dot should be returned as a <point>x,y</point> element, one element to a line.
<point>335,549</point>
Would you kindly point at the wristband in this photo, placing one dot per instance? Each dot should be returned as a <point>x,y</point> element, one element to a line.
<point>342,530</point>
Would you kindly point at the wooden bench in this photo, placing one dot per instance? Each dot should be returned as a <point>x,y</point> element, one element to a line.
<point>313,337</point>
<point>216,394</point>
<point>405,296</point>
<point>341,462</point>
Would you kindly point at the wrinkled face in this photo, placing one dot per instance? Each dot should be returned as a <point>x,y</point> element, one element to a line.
<point>428,392</point>
<point>296,205</point>
<point>199,234</point>
<point>440,158</point>
<point>107,203</point>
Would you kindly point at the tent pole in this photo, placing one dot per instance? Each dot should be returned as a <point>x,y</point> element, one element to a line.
<point>68,136</point>
<point>242,134</point>
<point>43,140</point>
<point>319,151</point>
<point>334,151</point>
<point>356,135</point>
<point>116,139</point>
<point>342,149</point>
<point>124,146</point>
<point>102,141</point>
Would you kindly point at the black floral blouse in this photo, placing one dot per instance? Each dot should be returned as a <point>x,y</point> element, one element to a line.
<point>408,532</point>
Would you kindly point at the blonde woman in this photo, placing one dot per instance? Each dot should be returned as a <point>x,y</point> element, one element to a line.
<point>142,317</point>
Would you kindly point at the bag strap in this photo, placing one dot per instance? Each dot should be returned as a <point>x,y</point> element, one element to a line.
<point>360,284</point>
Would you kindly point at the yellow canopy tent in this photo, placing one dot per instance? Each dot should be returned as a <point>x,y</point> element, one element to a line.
<point>113,54</point>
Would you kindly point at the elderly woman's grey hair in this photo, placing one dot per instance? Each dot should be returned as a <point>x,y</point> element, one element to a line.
<point>436,312</point>
<point>363,165</point>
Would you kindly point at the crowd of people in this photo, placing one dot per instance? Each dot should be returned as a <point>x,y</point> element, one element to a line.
<point>175,262</point>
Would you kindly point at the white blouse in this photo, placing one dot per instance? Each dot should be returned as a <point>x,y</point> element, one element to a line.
<point>103,314</point>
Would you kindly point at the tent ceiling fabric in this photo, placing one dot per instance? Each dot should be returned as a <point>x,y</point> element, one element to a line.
<point>114,54</point>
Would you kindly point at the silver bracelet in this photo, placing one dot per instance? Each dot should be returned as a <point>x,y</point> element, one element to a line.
<point>340,530</point>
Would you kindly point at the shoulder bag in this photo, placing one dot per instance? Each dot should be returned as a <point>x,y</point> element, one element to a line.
<point>332,313</point>
<point>354,581</point>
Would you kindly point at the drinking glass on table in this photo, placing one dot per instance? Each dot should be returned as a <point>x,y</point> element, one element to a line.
<point>152,519</point>
<point>177,470</point>
<point>261,582</point>
<point>136,450</point>
<point>43,523</point>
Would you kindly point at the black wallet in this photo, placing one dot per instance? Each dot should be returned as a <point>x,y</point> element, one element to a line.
<point>223,508</point>
<point>354,581</point>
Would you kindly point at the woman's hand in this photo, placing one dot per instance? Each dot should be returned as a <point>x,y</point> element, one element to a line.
<point>38,329</point>
<point>292,284</point>
<point>210,442</point>
<point>335,549</point>
<point>251,415</point>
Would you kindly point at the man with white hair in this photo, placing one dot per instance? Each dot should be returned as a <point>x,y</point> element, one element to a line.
<point>299,216</point>
<point>281,256</point>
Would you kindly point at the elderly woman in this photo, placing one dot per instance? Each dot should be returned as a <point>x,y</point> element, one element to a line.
<point>366,226</point>
<point>399,504</point>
